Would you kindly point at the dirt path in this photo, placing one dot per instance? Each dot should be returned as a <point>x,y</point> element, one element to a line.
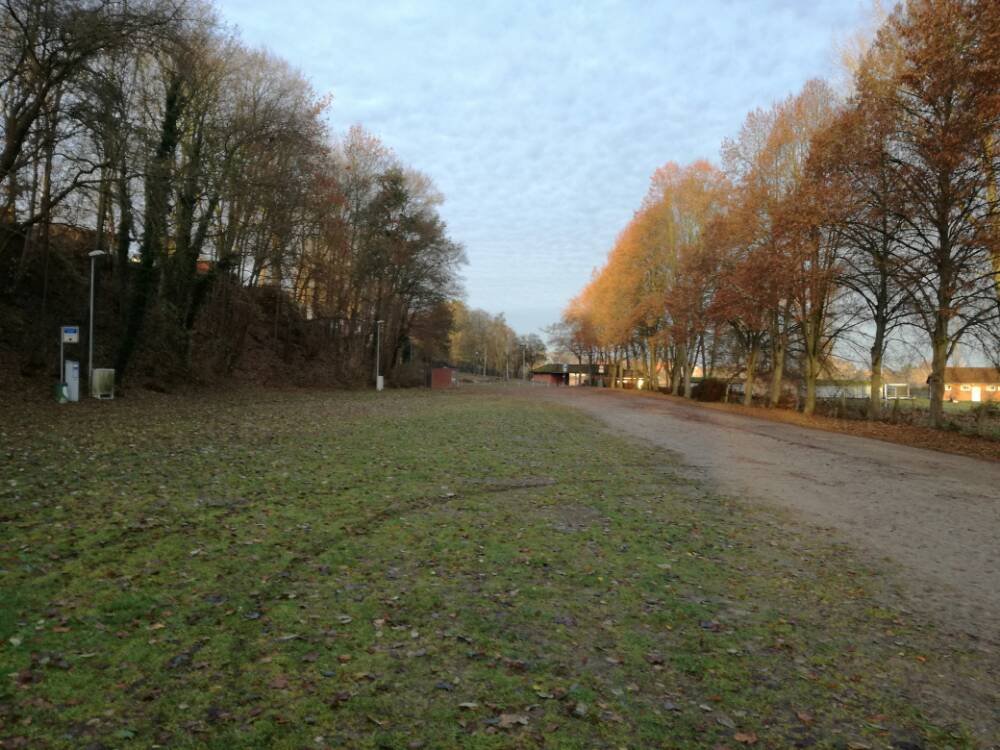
<point>936,515</point>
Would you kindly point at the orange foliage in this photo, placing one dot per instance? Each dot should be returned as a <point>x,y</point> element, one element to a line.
<point>899,180</point>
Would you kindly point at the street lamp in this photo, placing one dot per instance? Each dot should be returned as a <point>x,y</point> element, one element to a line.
<point>378,354</point>
<point>94,255</point>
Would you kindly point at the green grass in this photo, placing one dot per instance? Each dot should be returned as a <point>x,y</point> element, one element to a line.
<point>950,407</point>
<point>313,570</point>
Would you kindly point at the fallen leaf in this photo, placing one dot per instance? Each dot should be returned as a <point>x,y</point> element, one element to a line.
<point>746,738</point>
<point>509,720</point>
<point>339,698</point>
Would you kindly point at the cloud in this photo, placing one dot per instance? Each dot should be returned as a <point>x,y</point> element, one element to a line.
<point>542,122</point>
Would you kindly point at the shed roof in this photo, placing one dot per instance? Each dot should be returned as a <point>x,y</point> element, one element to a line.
<point>559,368</point>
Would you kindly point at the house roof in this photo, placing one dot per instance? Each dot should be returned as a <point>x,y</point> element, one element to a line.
<point>971,375</point>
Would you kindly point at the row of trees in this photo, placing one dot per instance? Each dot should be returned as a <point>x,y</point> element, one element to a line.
<point>866,215</point>
<point>484,343</point>
<point>204,168</point>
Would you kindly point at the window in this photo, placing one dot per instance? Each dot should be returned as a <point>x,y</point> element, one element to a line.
<point>966,387</point>
<point>947,387</point>
<point>991,387</point>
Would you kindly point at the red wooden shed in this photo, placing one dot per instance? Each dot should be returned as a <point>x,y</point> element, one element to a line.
<point>442,377</point>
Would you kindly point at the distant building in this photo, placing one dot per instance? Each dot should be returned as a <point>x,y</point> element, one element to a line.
<point>567,374</point>
<point>972,384</point>
<point>861,389</point>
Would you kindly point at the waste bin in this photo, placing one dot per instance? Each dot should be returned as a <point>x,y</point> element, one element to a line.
<point>103,385</point>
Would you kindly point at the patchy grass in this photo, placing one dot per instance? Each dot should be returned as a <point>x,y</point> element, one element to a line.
<point>313,570</point>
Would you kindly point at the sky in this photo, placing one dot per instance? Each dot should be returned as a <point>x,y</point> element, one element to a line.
<point>541,122</point>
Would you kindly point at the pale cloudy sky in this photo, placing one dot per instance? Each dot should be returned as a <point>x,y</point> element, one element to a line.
<point>541,122</point>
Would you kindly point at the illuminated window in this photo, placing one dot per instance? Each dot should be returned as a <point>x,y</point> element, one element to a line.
<point>991,387</point>
<point>947,387</point>
<point>966,387</point>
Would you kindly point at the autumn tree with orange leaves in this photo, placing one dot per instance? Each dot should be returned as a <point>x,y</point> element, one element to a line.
<point>873,214</point>
<point>648,305</point>
<point>941,92</point>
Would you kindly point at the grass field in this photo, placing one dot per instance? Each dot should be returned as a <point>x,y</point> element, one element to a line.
<point>423,570</point>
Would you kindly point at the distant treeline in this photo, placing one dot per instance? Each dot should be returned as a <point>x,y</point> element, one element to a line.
<point>231,218</point>
<point>869,214</point>
<point>484,343</point>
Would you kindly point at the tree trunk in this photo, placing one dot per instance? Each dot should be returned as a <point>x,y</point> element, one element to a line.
<point>123,237</point>
<point>650,359</point>
<point>688,368</point>
<point>939,360</point>
<point>677,371</point>
<point>751,367</point>
<point>875,396</point>
<point>812,338</point>
<point>26,247</point>
<point>46,204</point>
<point>779,346</point>
<point>155,226</point>
<point>812,373</point>
<point>991,196</point>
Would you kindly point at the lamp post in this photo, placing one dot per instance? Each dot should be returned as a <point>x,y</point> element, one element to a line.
<point>378,354</point>
<point>94,255</point>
